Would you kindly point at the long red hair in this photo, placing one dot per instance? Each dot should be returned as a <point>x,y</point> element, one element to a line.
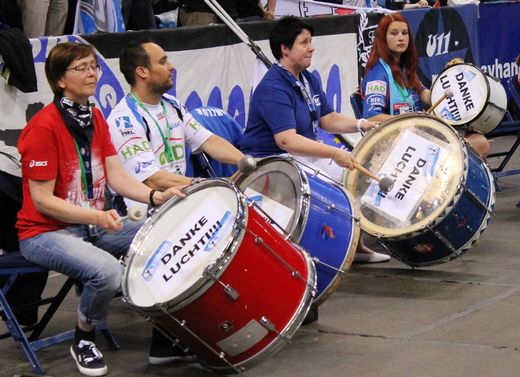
<point>409,58</point>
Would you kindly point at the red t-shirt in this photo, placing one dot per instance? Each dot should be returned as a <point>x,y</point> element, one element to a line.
<point>48,152</point>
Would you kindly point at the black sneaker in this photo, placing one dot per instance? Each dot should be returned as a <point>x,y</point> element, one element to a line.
<point>88,359</point>
<point>164,351</point>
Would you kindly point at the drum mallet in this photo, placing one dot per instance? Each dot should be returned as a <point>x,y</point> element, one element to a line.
<point>385,183</point>
<point>134,214</point>
<point>447,94</point>
<point>247,164</point>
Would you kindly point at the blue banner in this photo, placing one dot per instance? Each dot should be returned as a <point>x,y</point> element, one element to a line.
<point>499,38</point>
<point>441,34</point>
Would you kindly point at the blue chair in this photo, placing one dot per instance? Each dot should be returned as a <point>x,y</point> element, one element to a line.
<point>508,127</point>
<point>357,104</point>
<point>222,124</point>
<point>15,271</point>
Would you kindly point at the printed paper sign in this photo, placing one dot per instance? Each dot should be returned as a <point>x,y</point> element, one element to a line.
<point>412,165</point>
<point>181,258</point>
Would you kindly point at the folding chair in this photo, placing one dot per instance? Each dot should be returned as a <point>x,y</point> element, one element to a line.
<point>13,268</point>
<point>508,127</point>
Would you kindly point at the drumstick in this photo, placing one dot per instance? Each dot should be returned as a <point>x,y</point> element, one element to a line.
<point>385,183</point>
<point>134,214</point>
<point>447,94</point>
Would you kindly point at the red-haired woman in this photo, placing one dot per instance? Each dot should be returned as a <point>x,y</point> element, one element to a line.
<point>391,85</point>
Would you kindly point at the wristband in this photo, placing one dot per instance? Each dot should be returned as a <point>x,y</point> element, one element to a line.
<point>358,125</point>
<point>150,196</point>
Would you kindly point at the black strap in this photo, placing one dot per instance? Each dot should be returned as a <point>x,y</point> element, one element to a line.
<point>83,138</point>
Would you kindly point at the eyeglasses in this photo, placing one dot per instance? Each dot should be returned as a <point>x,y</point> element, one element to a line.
<point>83,68</point>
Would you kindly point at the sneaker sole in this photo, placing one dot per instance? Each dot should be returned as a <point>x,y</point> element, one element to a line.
<point>89,371</point>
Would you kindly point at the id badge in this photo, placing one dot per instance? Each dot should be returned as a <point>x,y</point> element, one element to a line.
<point>401,108</point>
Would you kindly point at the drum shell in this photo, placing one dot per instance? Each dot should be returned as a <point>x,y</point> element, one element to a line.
<point>325,220</point>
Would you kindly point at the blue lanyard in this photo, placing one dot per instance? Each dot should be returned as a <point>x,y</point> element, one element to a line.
<point>306,93</point>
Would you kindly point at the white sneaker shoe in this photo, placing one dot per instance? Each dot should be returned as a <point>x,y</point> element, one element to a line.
<point>371,258</point>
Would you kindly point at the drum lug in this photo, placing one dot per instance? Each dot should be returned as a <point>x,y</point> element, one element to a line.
<point>266,322</point>
<point>230,291</point>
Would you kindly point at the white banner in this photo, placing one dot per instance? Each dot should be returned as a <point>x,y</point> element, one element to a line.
<point>218,76</point>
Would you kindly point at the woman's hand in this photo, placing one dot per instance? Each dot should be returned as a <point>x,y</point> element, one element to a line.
<point>343,159</point>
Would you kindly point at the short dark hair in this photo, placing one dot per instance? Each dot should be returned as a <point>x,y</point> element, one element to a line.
<point>59,60</point>
<point>134,55</point>
<point>285,32</point>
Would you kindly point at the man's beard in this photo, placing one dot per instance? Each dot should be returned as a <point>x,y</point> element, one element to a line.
<point>160,89</point>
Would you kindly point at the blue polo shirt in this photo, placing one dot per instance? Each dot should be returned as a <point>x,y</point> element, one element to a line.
<point>278,105</point>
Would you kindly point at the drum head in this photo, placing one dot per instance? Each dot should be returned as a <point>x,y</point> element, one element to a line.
<point>277,187</point>
<point>426,160</point>
<point>170,253</point>
<point>470,89</point>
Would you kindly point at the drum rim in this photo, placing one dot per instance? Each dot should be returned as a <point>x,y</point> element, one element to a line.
<point>440,212</point>
<point>203,283</point>
<point>482,109</point>
<point>301,211</point>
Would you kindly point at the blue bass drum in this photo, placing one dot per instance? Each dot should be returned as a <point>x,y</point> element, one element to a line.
<point>314,211</point>
<point>443,195</point>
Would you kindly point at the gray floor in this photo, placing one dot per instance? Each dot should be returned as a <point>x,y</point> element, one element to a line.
<point>460,318</point>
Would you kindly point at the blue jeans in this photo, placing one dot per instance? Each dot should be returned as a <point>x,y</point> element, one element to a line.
<point>93,262</point>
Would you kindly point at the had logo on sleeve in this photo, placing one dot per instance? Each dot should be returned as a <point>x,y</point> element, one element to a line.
<point>376,87</point>
<point>124,126</point>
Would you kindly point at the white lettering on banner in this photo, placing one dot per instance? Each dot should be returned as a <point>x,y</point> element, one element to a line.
<point>438,44</point>
<point>412,164</point>
<point>501,70</point>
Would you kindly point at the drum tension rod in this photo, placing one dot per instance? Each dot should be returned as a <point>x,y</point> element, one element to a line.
<point>230,291</point>
<point>333,206</point>
<point>294,273</point>
<point>477,200</point>
<point>441,238</point>
<point>318,261</point>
